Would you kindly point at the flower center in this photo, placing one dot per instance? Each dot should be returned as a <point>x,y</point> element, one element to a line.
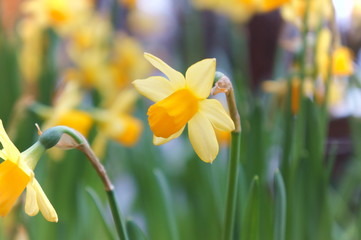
<point>168,116</point>
<point>13,181</point>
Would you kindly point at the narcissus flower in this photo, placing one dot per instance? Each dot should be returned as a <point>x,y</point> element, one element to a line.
<point>342,61</point>
<point>116,122</point>
<point>342,64</point>
<point>16,174</point>
<point>181,100</point>
<point>64,111</point>
<point>62,15</point>
<point>295,10</point>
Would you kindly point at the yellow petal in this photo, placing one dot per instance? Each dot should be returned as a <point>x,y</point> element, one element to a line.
<point>203,138</point>
<point>154,88</point>
<point>99,144</point>
<point>2,155</point>
<point>168,116</point>
<point>124,101</point>
<point>131,131</point>
<point>9,149</point>
<point>200,77</point>
<point>44,204</point>
<point>270,5</point>
<point>31,204</point>
<point>276,87</point>
<point>79,120</point>
<point>215,113</point>
<point>160,140</point>
<point>176,78</point>
<point>13,181</point>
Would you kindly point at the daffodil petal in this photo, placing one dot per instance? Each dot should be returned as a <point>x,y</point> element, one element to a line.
<point>200,77</point>
<point>99,144</point>
<point>215,113</point>
<point>154,88</point>
<point>160,140</point>
<point>176,78</point>
<point>44,204</point>
<point>9,149</point>
<point>203,138</point>
<point>2,155</point>
<point>125,101</point>
<point>31,204</point>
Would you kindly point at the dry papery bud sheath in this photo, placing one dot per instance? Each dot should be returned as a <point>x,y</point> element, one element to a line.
<point>224,85</point>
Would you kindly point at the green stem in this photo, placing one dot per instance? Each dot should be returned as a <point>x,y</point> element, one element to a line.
<point>232,187</point>
<point>85,148</point>
<point>65,137</point>
<point>116,215</point>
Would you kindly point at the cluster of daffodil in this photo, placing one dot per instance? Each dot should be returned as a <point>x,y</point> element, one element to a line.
<point>95,64</point>
<point>331,63</point>
<point>86,67</point>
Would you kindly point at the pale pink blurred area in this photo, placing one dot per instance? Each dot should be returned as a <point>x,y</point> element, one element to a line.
<point>9,11</point>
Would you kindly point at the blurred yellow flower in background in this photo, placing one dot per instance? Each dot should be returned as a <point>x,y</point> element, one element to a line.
<point>342,64</point>
<point>31,51</point>
<point>16,174</point>
<point>319,10</point>
<point>181,100</point>
<point>336,92</point>
<point>63,15</point>
<point>322,51</point>
<point>115,122</point>
<point>64,113</point>
<point>128,62</point>
<point>77,119</point>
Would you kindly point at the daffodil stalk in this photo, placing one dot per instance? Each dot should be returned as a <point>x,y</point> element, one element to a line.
<point>68,138</point>
<point>224,85</point>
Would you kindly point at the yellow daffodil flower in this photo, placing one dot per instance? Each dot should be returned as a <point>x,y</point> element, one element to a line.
<point>64,112</point>
<point>63,15</point>
<point>31,51</point>
<point>16,174</point>
<point>342,64</point>
<point>294,12</point>
<point>322,51</point>
<point>181,100</point>
<point>336,92</point>
<point>117,123</point>
<point>128,62</point>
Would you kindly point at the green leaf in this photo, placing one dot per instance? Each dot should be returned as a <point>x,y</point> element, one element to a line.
<point>134,231</point>
<point>102,211</point>
<point>167,200</point>
<point>250,220</point>
<point>280,212</point>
